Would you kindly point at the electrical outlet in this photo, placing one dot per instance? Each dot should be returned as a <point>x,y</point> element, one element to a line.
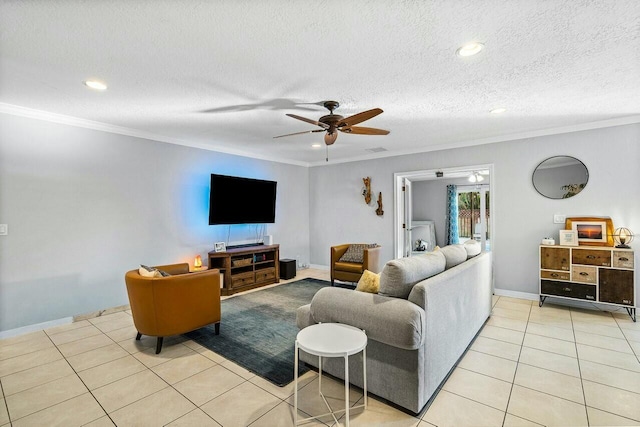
<point>4,229</point>
<point>559,219</point>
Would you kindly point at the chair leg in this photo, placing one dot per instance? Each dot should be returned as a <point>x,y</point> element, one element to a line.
<point>138,336</point>
<point>217,328</point>
<point>159,345</point>
<point>332,282</point>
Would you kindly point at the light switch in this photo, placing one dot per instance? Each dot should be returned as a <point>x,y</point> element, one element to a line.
<point>4,229</point>
<point>559,219</point>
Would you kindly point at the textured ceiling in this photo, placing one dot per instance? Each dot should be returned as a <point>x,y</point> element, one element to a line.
<point>222,74</point>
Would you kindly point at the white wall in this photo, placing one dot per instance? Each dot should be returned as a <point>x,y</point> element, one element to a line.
<point>85,206</point>
<point>522,216</point>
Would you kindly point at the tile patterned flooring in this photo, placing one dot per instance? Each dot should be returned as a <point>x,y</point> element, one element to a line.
<point>530,366</point>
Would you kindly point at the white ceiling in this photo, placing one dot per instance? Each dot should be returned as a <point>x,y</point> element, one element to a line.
<point>222,74</point>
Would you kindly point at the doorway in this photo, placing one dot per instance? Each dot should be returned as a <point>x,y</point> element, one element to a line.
<point>420,197</point>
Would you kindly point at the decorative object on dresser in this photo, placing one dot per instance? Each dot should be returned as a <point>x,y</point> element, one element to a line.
<point>623,236</point>
<point>568,238</point>
<point>592,273</point>
<point>247,267</point>
<point>219,247</point>
<point>592,230</point>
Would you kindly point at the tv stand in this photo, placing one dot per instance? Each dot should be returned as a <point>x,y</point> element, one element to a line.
<point>247,267</point>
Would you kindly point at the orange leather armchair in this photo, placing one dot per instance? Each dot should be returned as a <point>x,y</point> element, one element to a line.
<point>182,302</point>
<point>350,271</point>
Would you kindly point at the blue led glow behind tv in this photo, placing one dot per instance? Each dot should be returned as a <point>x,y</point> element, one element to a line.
<point>236,200</point>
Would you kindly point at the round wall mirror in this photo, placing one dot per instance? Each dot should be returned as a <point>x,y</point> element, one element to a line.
<point>560,177</point>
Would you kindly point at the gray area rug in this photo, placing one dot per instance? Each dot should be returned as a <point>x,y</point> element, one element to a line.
<point>258,330</point>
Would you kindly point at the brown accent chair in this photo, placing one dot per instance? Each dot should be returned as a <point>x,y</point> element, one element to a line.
<point>349,271</point>
<point>182,302</point>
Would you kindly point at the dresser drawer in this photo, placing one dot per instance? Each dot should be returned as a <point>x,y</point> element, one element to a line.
<point>242,279</point>
<point>584,274</point>
<point>555,275</point>
<point>591,257</point>
<point>554,258</point>
<point>265,274</point>
<point>622,259</point>
<point>564,289</point>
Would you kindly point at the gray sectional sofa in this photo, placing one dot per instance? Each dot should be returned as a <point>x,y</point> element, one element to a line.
<point>429,308</point>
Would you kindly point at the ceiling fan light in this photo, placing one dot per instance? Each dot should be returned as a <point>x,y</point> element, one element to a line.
<point>470,49</point>
<point>330,138</point>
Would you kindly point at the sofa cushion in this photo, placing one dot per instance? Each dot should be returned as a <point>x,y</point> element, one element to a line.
<point>355,252</point>
<point>454,255</point>
<point>348,266</point>
<point>399,275</point>
<point>369,282</point>
<point>393,321</point>
<point>472,247</point>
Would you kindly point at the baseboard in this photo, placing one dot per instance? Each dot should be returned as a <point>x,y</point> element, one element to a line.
<point>319,267</point>
<point>516,294</point>
<point>33,328</point>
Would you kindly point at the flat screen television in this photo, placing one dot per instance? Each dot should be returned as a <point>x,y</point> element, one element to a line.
<point>236,200</point>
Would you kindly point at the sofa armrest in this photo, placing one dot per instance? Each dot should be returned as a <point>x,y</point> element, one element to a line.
<point>393,321</point>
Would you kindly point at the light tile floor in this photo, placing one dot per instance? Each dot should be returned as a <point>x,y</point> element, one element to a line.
<point>530,366</point>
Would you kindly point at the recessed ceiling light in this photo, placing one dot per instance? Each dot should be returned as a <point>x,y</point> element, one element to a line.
<point>95,84</point>
<point>470,49</point>
<point>499,110</point>
<point>316,145</point>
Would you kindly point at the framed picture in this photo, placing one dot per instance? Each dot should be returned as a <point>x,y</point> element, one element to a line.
<point>568,238</point>
<point>592,231</point>
<point>220,247</point>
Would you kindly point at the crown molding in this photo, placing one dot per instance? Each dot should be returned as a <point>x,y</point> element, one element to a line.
<point>620,121</point>
<point>31,113</point>
<point>104,127</point>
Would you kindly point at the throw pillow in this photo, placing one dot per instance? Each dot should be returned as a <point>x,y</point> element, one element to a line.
<point>369,282</point>
<point>355,253</point>
<point>148,273</point>
<point>472,247</point>
<point>454,254</point>
<point>400,275</point>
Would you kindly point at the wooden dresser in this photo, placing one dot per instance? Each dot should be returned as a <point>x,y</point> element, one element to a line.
<point>247,267</point>
<point>600,274</point>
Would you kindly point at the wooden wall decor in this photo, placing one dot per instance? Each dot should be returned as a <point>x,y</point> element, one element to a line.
<point>366,192</point>
<point>379,211</point>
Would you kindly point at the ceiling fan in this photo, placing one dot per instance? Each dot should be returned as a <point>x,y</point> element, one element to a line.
<point>332,123</point>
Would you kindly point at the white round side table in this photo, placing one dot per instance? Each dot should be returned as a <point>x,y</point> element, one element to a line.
<point>331,340</point>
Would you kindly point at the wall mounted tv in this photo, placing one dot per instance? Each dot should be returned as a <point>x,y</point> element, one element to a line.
<point>236,200</point>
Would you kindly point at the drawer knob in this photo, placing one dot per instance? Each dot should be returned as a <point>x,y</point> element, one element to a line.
<point>623,259</point>
<point>591,257</point>
<point>566,289</point>
<point>554,275</point>
<point>582,273</point>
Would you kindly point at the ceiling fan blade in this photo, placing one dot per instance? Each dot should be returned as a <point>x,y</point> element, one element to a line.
<point>304,119</point>
<point>360,117</point>
<point>300,133</point>
<point>364,131</point>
